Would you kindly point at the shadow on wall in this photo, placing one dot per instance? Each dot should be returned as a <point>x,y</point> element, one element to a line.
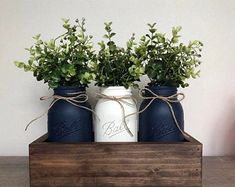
<point>227,129</point>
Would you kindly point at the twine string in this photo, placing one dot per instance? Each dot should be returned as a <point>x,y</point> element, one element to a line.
<point>81,97</point>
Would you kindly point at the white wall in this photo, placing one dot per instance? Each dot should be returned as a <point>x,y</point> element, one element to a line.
<point>210,102</point>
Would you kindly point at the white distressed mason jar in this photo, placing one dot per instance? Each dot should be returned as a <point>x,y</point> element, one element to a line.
<point>110,126</point>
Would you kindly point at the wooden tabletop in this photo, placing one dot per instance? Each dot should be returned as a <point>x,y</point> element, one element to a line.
<point>217,172</point>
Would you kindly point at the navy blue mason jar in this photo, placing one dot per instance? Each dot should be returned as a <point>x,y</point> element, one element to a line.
<point>67,122</point>
<point>156,123</point>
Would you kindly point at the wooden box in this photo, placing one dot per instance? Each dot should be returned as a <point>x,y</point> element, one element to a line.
<point>115,164</point>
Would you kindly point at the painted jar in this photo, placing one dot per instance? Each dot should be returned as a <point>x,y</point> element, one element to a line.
<point>156,123</point>
<point>112,122</point>
<point>67,122</point>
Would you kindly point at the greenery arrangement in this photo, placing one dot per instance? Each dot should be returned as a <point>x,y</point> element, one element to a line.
<point>117,66</point>
<point>69,59</point>
<point>63,61</point>
<point>168,62</point>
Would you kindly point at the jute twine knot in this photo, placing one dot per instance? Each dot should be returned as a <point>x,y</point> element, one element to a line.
<point>80,97</point>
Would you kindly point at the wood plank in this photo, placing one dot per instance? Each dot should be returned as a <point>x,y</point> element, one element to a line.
<point>106,160</point>
<point>116,182</point>
<point>92,170</point>
<point>115,148</point>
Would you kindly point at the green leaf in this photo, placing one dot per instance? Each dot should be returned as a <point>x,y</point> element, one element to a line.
<point>152,30</point>
<point>65,20</point>
<point>106,36</point>
<point>36,37</point>
<point>51,44</point>
<point>72,72</point>
<point>176,30</point>
<point>19,64</point>
<point>27,68</point>
<point>112,34</point>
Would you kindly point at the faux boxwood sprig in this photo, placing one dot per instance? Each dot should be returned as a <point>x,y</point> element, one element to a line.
<point>168,62</point>
<point>63,61</point>
<point>117,66</point>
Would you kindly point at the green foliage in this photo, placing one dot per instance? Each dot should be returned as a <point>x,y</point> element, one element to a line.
<point>168,62</point>
<point>117,66</point>
<point>63,61</point>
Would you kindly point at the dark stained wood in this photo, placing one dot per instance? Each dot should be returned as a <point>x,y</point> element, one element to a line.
<point>217,172</point>
<point>115,164</point>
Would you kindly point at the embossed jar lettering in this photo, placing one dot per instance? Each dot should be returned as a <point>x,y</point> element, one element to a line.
<point>112,129</point>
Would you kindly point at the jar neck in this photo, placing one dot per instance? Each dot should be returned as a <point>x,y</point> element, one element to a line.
<point>116,91</point>
<point>68,90</point>
<point>161,90</point>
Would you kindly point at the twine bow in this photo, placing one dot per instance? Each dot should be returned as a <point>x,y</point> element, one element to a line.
<point>120,100</point>
<point>81,97</point>
<point>167,99</point>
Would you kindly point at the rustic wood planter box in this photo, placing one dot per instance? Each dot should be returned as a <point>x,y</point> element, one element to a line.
<point>115,164</point>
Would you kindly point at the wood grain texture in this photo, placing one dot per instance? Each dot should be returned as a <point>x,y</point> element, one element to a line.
<point>217,172</point>
<point>115,164</point>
